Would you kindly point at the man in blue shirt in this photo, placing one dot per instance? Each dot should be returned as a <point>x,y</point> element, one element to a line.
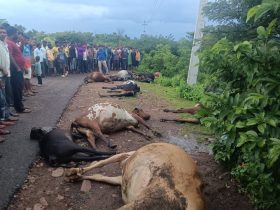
<point>102,57</point>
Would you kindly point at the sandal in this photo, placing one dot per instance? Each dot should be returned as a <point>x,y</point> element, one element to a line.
<point>2,139</point>
<point>4,132</point>
<point>7,123</point>
<point>25,111</point>
<point>2,126</point>
<point>11,119</point>
<point>14,114</point>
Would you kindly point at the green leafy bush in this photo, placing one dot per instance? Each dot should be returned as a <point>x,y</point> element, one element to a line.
<point>244,112</point>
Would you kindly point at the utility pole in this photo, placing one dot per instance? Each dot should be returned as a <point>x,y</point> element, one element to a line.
<point>194,61</point>
<point>144,25</point>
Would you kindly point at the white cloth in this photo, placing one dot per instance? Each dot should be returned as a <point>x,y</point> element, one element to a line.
<point>38,52</point>
<point>44,52</point>
<point>28,74</point>
<point>4,58</point>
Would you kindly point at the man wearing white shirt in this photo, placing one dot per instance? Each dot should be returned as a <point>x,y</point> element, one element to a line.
<point>43,49</point>
<point>38,52</point>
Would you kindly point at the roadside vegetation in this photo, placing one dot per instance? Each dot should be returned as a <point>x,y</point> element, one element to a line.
<point>238,85</point>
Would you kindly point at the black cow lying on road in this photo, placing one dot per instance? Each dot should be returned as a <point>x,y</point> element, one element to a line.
<point>57,148</point>
<point>144,77</point>
<point>129,88</point>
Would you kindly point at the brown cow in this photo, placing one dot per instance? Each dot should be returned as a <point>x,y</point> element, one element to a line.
<point>191,111</point>
<point>108,118</point>
<point>96,77</point>
<point>157,176</point>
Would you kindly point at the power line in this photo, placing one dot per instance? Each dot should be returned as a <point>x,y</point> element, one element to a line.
<point>144,24</point>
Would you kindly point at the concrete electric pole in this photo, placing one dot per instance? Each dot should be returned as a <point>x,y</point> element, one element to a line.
<point>194,61</point>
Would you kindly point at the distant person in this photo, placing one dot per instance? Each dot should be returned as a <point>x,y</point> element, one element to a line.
<point>73,58</point>
<point>137,57</point>
<point>80,57</point>
<point>27,54</point>
<point>116,59</point>
<point>102,57</point>
<point>61,61</point>
<point>38,71</point>
<point>37,52</point>
<point>45,70</point>
<point>50,60</point>
<point>129,60</point>
<point>124,58</point>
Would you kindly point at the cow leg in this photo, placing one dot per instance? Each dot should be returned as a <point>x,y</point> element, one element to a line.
<point>110,88</point>
<point>131,128</point>
<point>74,174</point>
<point>142,121</point>
<point>94,127</point>
<point>175,110</point>
<point>117,180</point>
<point>89,134</point>
<point>114,91</point>
<point>189,120</point>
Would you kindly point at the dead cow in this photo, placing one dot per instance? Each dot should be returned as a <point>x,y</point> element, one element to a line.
<point>122,75</point>
<point>144,77</point>
<point>129,88</point>
<point>96,77</point>
<point>56,147</point>
<point>191,111</point>
<point>108,118</point>
<point>157,176</point>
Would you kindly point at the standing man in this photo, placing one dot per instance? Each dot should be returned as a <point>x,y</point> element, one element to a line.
<point>102,57</point>
<point>37,52</point>
<point>17,68</point>
<point>45,71</point>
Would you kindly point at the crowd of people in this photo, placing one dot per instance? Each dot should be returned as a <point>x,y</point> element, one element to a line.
<point>64,58</point>
<point>21,58</point>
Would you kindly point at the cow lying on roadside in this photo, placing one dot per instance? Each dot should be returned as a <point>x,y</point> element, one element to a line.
<point>156,176</point>
<point>96,77</point>
<point>191,111</point>
<point>144,77</point>
<point>57,148</point>
<point>108,118</point>
<point>122,75</point>
<point>129,88</point>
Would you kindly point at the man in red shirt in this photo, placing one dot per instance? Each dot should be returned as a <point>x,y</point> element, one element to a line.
<point>17,68</point>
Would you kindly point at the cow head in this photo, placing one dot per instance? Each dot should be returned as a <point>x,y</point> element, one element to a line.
<point>38,133</point>
<point>141,113</point>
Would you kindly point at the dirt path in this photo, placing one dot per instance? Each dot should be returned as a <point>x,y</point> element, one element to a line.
<point>41,190</point>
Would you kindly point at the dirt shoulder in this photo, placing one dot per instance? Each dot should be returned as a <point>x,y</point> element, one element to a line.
<point>43,191</point>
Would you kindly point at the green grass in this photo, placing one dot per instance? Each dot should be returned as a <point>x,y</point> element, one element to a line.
<point>169,94</point>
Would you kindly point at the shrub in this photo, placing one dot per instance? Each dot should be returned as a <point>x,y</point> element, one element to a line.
<point>244,113</point>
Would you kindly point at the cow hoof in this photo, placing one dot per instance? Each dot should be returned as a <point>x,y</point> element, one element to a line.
<point>114,146</point>
<point>157,134</point>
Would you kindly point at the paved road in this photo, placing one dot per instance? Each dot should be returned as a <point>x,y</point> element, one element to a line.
<point>18,150</point>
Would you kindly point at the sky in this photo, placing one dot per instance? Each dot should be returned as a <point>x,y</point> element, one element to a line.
<point>162,17</point>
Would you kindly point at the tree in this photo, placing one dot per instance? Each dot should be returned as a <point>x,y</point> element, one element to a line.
<point>229,18</point>
<point>243,105</point>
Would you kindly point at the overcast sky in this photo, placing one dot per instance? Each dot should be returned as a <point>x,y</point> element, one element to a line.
<point>162,16</point>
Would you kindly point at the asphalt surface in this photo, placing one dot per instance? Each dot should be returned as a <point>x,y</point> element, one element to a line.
<point>18,150</point>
